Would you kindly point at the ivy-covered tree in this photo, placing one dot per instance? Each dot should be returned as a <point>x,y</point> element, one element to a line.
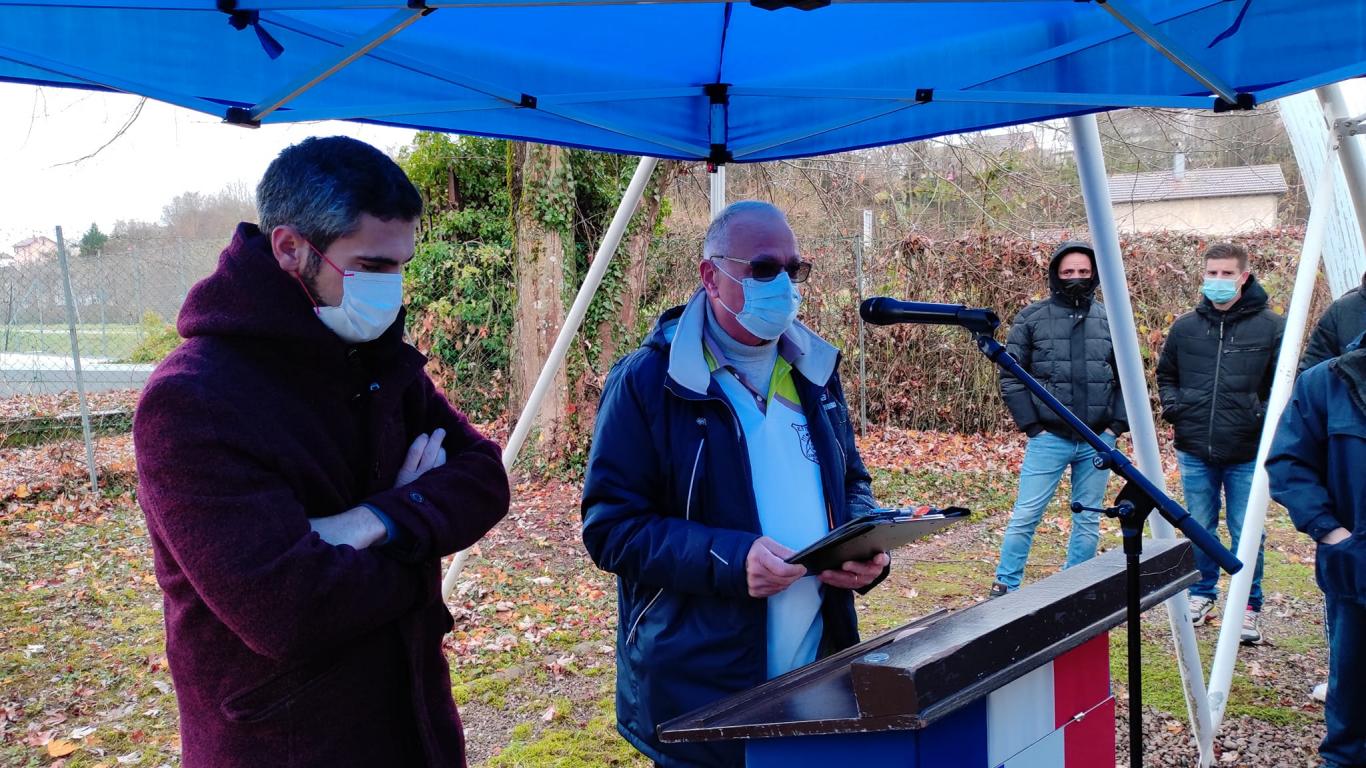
<point>508,230</point>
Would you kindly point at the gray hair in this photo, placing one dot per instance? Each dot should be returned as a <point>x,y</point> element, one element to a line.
<point>717,240</point>
<point>321,186</point>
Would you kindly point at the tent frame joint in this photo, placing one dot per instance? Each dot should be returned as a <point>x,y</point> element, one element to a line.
<point>240,116</point>
<point>924,95</point>
<point>801,5</point>
<point>1243,102</point>
<point>719,96</point>
<point>527,101</point>
<point>1343,127</point>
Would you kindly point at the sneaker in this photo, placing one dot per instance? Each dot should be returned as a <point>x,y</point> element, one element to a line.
<point>998,589</point>
<point>1320,693</point>
<point>1200,607</point>
<point>1252,632</point>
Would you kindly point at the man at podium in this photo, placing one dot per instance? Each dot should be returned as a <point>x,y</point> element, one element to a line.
<point>723,445</point>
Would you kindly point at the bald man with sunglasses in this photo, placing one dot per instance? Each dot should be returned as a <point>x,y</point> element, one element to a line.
<point>722,446</point>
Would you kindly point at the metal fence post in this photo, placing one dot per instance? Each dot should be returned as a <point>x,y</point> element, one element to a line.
<point>76,361</point>
<point>866,246</point>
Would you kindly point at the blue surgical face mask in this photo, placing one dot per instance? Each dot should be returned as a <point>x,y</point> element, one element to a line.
<point>1219,290</point>
<point>770,307</point>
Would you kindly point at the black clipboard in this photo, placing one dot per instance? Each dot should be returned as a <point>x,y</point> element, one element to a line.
<point>880,531</point>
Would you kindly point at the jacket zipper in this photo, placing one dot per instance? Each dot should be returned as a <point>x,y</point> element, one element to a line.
<point>687,515</point>
<point>1214,396</point>
<point>630,637</point>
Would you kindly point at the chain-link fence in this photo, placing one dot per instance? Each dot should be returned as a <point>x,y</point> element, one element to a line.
<point>104,338</point>
<point>124,303</point>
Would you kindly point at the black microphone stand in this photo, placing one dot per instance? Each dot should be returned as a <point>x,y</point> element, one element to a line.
<point>1138,499</point>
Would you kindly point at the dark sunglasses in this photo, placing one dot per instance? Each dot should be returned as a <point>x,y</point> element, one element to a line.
<point>764,270</point>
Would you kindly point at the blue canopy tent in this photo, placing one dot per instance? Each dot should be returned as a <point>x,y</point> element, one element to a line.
<point>725,83</point>
<point>731,83</point>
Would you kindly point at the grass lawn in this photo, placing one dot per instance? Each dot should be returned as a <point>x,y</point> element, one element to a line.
<point>83,679</point>
<point>113,341</point>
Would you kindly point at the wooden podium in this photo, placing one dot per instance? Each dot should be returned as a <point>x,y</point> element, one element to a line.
<point>1020,681</point>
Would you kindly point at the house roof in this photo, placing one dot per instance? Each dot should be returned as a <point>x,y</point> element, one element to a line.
<point>26,242</point>
<point>1197,182</point>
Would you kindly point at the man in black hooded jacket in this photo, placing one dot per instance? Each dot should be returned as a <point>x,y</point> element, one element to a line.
<point>1214,377</point>
<point>1344,320</point>
<point>1064,342</point>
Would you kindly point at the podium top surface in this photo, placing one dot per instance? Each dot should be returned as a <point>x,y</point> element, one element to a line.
<point>909,677</point>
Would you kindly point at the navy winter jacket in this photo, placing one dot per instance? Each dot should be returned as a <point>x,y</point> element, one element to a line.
<point>669,507</point>
<point>1317,467</point>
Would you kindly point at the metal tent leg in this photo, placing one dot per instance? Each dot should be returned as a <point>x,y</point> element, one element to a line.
<point>1350,151</point>
<point>629,201</point>
<point>1124,334</point>
<point>717,188</point>
<point>1254,519</point>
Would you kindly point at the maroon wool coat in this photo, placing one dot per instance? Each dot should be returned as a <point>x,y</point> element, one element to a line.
<point>286,650</point>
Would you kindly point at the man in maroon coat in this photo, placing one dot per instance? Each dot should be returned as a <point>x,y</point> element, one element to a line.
<point>301,479</point>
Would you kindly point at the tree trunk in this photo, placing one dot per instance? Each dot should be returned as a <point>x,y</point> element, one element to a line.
<point>633,250</point>
<point>541,207</point>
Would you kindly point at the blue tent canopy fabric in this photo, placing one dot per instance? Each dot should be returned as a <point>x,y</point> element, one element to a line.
<point>687,80</point>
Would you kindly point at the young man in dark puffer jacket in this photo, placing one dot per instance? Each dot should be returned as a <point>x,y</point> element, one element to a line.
<point>1064,342</point>
<point>1214,377</point>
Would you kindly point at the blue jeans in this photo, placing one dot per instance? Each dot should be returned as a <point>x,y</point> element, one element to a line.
<point>1202,483</point>
<point>1345,711</point>
<point>1046,457</point>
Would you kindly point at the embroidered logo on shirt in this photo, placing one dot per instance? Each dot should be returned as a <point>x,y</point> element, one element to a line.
<point>804,435</point>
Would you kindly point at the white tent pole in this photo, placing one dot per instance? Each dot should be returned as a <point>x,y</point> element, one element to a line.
<point>717,179</point>
<point>606,249</point>
<point>1344,257</point>
<point>1254,518</point>
<point>1350,152</point>
<point>1124,335</point>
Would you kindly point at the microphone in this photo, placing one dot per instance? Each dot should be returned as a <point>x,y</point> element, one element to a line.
<point>881,310</point>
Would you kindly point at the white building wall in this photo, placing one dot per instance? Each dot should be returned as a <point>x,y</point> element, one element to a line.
<point>1214,216</point>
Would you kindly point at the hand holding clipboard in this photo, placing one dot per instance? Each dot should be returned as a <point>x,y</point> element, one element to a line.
<point>883,530</point>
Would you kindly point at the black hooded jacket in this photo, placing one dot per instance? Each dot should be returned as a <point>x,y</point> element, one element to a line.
<point>1340,325</point>
<point>1064,342</point>
<point>1215,373</point>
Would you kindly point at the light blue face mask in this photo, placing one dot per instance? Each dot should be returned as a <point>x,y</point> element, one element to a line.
<point>769,307</point>
<point>1219,290</point>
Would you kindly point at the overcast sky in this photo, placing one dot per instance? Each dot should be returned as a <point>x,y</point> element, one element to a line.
<point>168,150</point>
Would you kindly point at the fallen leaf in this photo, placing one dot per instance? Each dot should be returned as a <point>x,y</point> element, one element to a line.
<point>60,748</point>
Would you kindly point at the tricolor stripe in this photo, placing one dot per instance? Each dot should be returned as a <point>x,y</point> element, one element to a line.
<point>1077,731</point>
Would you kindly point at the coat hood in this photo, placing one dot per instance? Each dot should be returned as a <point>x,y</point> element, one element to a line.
<point>249,296</point>
<point>1055,284</point>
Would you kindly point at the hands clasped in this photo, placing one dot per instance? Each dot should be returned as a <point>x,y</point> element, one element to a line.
<point>768,573</point>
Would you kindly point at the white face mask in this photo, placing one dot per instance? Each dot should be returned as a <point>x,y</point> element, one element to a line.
<point>370,303</point>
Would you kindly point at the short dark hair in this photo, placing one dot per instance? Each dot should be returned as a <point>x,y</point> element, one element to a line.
<point>321,186</point>
<point>1228,251</point>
